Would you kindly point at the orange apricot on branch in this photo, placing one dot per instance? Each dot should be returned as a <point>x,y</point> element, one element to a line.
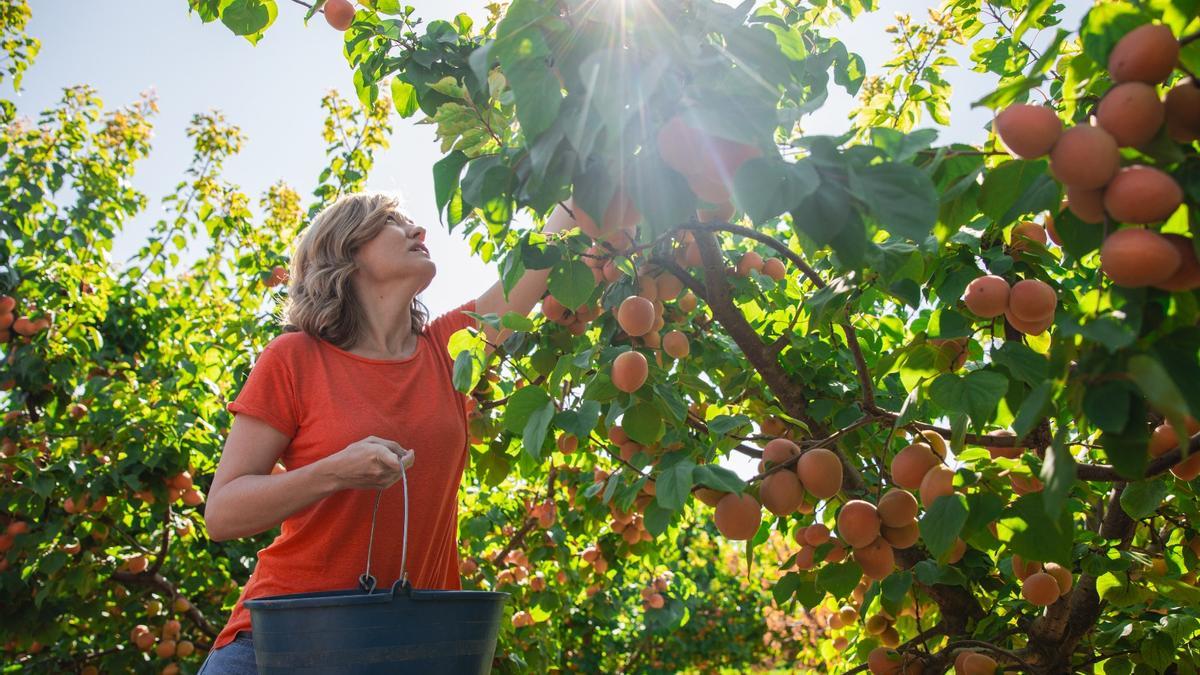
<point>1135,257</point>
<point>897,508</point>
<point>1132,113</point>
<point>1040,589</point>
<point>675,344</point>
<point>1148,53</point>
<point>738,516</point>
<point>902,537</point>
<point>1142,194</point>
<point>877,558</point>
<point>910,465</point>
<point>1182,104</point>
<point>987,296</point>
<point>821,473</point>
<point>1086,203</point>
<point>938,482</point>
<point>1032,300</point>
<point>339,13</point>
<point>750,260</point>
<point>781,492</point>
<point>1085,157</point>
<point>858,523</point>
<point>1187,277</point>
<point>1027,131</point>
<point>776,452</point>
<point>636,315</point>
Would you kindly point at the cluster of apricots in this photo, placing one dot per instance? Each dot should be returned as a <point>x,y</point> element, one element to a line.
<point>11,322</point>
<point>1086,158</point>
<point>1029,305</point>
<point>1164,438</point>
<point>652,594</point>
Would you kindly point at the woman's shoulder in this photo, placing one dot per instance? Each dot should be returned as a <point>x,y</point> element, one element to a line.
<point>292,344</point>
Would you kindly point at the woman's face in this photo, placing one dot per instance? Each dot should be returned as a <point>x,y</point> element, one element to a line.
<point>397,253</point>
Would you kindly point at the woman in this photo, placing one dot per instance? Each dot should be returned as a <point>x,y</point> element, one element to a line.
<point>357,387</point>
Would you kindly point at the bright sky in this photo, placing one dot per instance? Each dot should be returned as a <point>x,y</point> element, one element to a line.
<point>273,90</point>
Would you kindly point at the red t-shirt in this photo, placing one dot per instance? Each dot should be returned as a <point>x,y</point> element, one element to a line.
<point>325,398</point>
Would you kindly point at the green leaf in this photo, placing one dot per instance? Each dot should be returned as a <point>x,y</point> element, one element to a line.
<point>571,282</point>
<point>643,423</point>
<point>1160,390</point>
<point>976,393</point>
<point>764,188</point>
<point>579,423</point>
<point>404,96</point>
<point>718,478</point>
<point>656,518</point>
<point>1035,536</point>
<point>982,508</point>
<point>839,578</point>
<point>1104,25</point>
<point>1058,474</point>
<point>901,197</point>
<point>249,17</point>
<point>516,322</point>
<point>1032,409</point>
<point>1017,188</point>
<point>783,589</point>
<point>464,371</point>
<point>1143,498</point>
<point>1106,404</point>
<point>536,428</point>
<point>521,405</point>
<point>674,484</point>
<point>943,522</point>
<point>1022,362</point>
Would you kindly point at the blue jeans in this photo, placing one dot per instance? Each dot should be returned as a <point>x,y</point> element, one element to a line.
<point>235,658</point>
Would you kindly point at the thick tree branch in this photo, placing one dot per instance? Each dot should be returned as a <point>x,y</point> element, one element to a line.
<point>1159,465</point>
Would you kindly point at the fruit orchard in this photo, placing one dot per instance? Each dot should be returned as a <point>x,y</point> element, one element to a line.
<point>963,369</point>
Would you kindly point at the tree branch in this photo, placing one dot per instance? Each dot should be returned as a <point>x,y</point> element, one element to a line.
<point>159,582</point>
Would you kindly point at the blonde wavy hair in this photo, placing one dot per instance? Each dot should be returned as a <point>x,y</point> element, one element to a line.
<point>321,300</point>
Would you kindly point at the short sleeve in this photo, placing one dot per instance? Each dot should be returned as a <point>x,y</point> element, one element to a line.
<point>441,328</point>
<point>269,393</point>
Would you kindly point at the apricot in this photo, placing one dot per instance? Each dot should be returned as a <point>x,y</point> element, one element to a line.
<point>1062,576</point>
<point>184,649</point>
<point>619,215</point>
<point>815,535</point>
<point>1040,589</point>
<point>938,482</point>
<point>1135,257</point>
<point>773,426</point>
<point>1027,131</point>
<point>1029,327</point>
<point>1023,485</point>
<point>774,268</point>
<point>1027,230</point>
<point>858,523</point>
<point>1187,277</point>
<point>959,659</point>
<point>957,551</point>
<point>1147,54</point>
<point>877,559</point>
<point>978,664</point>
<point>876,624</point>
<point>1182,105</point>
<point>1142,194</point>
<point>24,327</point>
<point>144,641</point>
<point>821,472</point>
<point>1132,113</point>
<point>675,344</point>
<point>936,443</point>
<point>1032,300</point>
<point>902,537</point>
<point>687,302</point>
<point>668,286</point>
<point>738,516</point>
<point>749,261</point>
<point>1051,230</point>
<point>567,443</point>
<point>617,435</point>
<point>805,557</point>
<point>636,315</point>
<point>1085,157</point>
<point>897,508</point>
<point>629,371</point>
<point>554,310</point>
<point>165,649</point>
<point>7,304</point>
<point>987,296</point>
<point>955,350</point>
<point>776,452</point>
<point>339,13</point>
<point>1086,203</point>
<point>781,492</point>
<point>883,661</point>
<point>1001,451</point>
<point>910,465</point>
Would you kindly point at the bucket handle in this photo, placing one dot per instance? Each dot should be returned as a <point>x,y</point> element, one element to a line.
<point>366,580</point>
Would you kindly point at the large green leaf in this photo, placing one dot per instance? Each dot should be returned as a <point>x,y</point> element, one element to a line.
<point>764,188</point>
<point>249,18</point>
<point>446,172</point>
<point>643,423</point>
<point>674,484</point>
<point>1143,498</point>
<point>839,578</point>
<point>943,522</point>
<point>1058,474</point>
<point>975,394</point>
<point>901,197</point>
<point>1037,537</point>
<point>571,282</point>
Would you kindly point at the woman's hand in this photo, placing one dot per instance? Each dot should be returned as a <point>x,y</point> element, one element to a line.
<point>372,463</point>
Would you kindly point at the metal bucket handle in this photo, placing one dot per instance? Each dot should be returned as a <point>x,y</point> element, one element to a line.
<point>366,580</point>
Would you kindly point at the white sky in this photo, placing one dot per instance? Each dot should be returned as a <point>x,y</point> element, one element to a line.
<point>273,90</point>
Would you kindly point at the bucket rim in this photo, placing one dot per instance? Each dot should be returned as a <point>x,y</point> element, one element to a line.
<point>354,596</point>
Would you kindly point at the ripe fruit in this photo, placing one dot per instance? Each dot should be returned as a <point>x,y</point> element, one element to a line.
<point>910,465</point>
<point>567,443</point>
<point>687,302</point>
<point>165,649</point>
<point>902,537</point>
<point>144,641</point>
<point>1147,54</point>
<point>636,315</point>
<point>1187,277</point>
<point>749,261</point>
<point>774,268</point>
<point>1032,300</point>
<point>815,535</point>
<point>279,274</point>
<point>821,472</point>
<point>1029,327</point>
<point>629,371</point>
<point>1023,568</point>
<point>882,661</point>
<point>184,649</point>
<point>1085,157</point>
<point>1142,194</point>
<point>1135,257</point>
<point>1132,113</point>
<point>620,215</point>
<point>1027,131</point>
<point>781,492</point>
<point>1026,230</point>
<point>1061,575</point>
<point>1000,451</point>
<point>877,559</point>
<point>668,286</point>
<point>957,551</point>
<point>738,516</point>
<point>776,452</point>
<point>1086,204</point>
<point>936,443</point>
<point>1040,589</point>
<point>675,344</point>
<point>339,13</point>
<point>939,482</point>
<point>1182,106</point>
<point>858,523</point>
<point>987,296</point>
<point>978,664</point>
<point>897,508</point>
